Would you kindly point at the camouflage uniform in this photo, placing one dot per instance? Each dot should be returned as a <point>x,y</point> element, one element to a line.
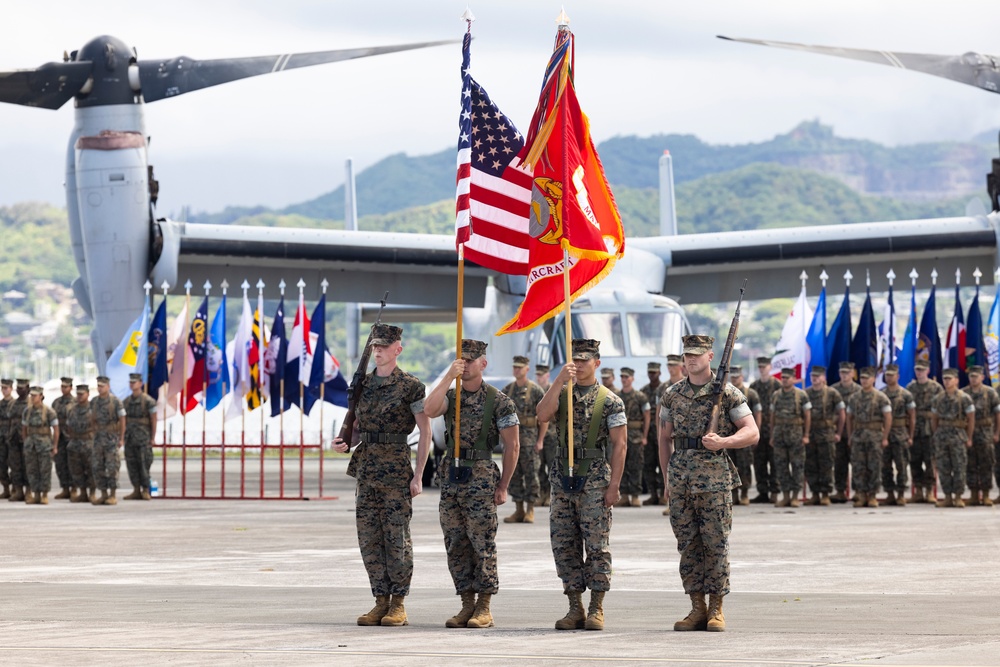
<point>636,404</point>
<point>701,484</point>
<point>15,443</point>
<point>867,409</point>
<point>138,438</point>
<point>842,453</point>
<point>743,457</point>
<point>383,506</point>
<point>822,438</point>
<point>979,469</point>
<point>898,452</point>
<point>5,425</point>
<point>950,439</point>
<point>38,421</point>
<point>922,450</point>
<point>651,475</point>
<point>61,405</point>
<point>789,408</point>
<point>763,455</point>
<point>468,513</point>
<point>524,485</point>
<point>580,523</point>
<point>107,413</point>
<point>79,428</point>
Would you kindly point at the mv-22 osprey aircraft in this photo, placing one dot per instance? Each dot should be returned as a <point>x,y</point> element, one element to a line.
<point>119,243</point>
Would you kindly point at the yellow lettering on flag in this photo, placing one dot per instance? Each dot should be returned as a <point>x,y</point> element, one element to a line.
<point>131,354</point>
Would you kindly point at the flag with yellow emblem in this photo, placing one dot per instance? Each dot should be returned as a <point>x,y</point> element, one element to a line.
<point>130,356</point>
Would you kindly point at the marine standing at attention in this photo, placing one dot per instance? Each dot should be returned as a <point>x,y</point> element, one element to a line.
<point>40,431</point>
<point>524,485</point>
<point>140,425</point>
<point>637,412</point>
<point>582,496</point>
<point>763,455</point>
<point>472,489</point>
<point>62,403</point>
<point>743,457</point>
<point>390,405</point>
<point>700,479</point>
<point>791,420</point>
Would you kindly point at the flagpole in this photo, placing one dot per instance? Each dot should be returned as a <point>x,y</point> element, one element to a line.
<point>222,450</point>
<point>805,331</point>
<point>149,318</point>
<point>165,287</point>
<point>891,325</point>
<point>261,348</point>
<point>204,391</point>
<point>322,397</point>
<point>562,22</point>
<point>302,391</point>
<point>281,402</point>
<point>187,296</point>
<point>458,347</point>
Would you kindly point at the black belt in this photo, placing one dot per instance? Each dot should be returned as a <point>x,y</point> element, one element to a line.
<point>470,454</point>
<point>581,453</point>
<point>384,438</point>
<point>681,442</point>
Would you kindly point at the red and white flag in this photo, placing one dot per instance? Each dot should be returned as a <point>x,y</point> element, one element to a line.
<point>793,352</point>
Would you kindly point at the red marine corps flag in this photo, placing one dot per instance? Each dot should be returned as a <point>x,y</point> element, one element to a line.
<point>573,219</point>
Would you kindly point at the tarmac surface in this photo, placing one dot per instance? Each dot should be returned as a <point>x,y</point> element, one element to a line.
<point>267,582</point>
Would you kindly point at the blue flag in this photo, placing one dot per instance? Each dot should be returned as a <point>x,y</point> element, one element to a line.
<point>325,371</point>
<point>838,341</point>
<point>992,339</point>
<point>130,356</point>
<point>864,347</point>
<point>157,351</point>
<point>816,338</point>
<point>929,341</point>
<point>975,344</point>
<point>908,354</point>
<point>216,364</point>
<point>274,359</point>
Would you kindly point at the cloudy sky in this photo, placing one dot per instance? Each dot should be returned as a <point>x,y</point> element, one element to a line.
<point>643,67</point>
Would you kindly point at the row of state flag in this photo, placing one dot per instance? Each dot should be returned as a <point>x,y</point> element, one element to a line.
<point>806,341</point>
<point>192,364</point>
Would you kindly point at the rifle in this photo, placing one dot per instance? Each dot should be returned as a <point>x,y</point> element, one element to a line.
<point>722,374</point>
<point>358,382</point>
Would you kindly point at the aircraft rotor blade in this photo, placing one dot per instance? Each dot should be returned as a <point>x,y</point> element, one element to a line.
<point>974,69</point>
<point>168,78</point>
<point>48,87</point>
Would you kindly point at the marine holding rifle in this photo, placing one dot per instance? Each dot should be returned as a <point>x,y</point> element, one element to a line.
<point>472,487</point>
<point>388,404</point>
<point>586,486</point>
<point>700,477</point>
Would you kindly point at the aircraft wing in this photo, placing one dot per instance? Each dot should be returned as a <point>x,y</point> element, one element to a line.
<point>420,269</point>
<point>176,76</point>
<point>974,69</point>
<point>48,87</point>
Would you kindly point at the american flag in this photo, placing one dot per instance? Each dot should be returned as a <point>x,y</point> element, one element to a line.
<point>494,194</point>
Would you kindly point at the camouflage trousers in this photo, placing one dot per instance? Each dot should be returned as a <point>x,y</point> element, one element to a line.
<point>81,463</point>
<point>763,464</point>
<point>789,455</point>
<point>996,457</point>
<point>819,460</point>
<point>15,460</point>
<point>580,534</point>
<point>632,474</point>
<point>524,485</point>
<point>62,463</point>
<point>38,463</point>
<point>383,520</point>
<point>922,460</point>
<point>107,461</point>
<point>469,524</point>
<point>138,458</point>
<point>743,460</point>
<point>652,476</point>
<point>897,455</point>
<point>842,464</point>
<point>701,523</point>
<point>4,472</point>
<point>866,461</point>
<point>546,457</point>
<point>951,459</point>
<point>982,459</point>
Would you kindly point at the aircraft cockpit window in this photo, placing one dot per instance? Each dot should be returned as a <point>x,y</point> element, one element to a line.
<point>605,327</point>
<point>654,334</point>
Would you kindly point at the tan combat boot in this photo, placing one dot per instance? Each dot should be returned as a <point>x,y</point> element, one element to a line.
<point>987,501</point>
<point>111,498</point>
<point>793,499</point>
<point>460,619</point>
<point>529,513</point>
<point>890,497</point>
<point>716,621</point>
<point>859,500</point>
<point>595,613</point>
<point>946,501</point>
<point>975,498</point>
<point>481,616</point>
<point>80,496</point>
<point>6,492</point>
<point>774,497</point>
<point>635,502</point>
<point>575,618</point>
<point>652,500</point>
<point>99,501</point>
<point>814,498</point>
<point>62,495</point>
<point>957,501</point>
<point>622,502</point>
<point>92,496</point>
<point>135,495</point>
<point>918,495</point>
<point>18,495</point>
<point>901,499</point>
<point>824,499</point>
<point>871,501</point>
<point>44,500</point>
<point>145,494</point>
<point>839,497</point>
<point>697,617</point>
<point>517,516</point>
<point>785,500</point>
<point>396,616</point>
<point>543,497</point>
<point>377,613</point>
<point>744,497</point>
<point>31,498</point>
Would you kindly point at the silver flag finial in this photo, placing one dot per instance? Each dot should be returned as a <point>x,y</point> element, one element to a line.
<point>224,285</point>
<point>913,276</point>
<point>282,286</point>
<point>562,21</point>
<point>467,15</point>
<point>824,277</point>
<point>891,276</point>
<point>847,277</point>
<point>977,274</point>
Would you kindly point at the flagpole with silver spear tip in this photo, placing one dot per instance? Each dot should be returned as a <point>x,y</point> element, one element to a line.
<point>186,334</point>
<point>805,332</point>
<point>322,400</point>
<point>222,451</point>
<point>302,387</point>
<point>891,326</point>
<point>261,348</point>
<point>245,286</point>
<point>165,286</point>
<point>204,386</point>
